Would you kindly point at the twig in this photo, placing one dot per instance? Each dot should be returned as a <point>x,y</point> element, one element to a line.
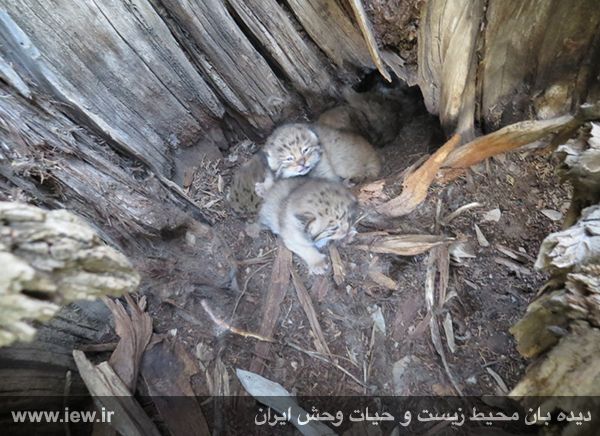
<point>318,356</point>
<point>244,288</point>
<point>227,326</point>
<point>315,354</point>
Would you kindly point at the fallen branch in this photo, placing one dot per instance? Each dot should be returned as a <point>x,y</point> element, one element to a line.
<point>417,183</point>
<point>510,138</point>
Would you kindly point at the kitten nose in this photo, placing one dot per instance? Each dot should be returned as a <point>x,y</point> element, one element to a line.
<point>302,162</point>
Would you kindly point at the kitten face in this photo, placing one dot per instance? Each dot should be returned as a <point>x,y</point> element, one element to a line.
<point>292,150</point>
<point>331,221</point>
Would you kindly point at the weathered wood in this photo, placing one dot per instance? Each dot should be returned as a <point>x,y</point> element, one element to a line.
<point>511,137</point>
<point>334,32</point>
<point>237,71</point>
<point>299,60</point>
<point>141,110</point>
<point>542,56</point>
<point>447,43</point>
<point>500,64</point>
<point>57,257</point>
<point>278,286</point>
<point>105,385</point>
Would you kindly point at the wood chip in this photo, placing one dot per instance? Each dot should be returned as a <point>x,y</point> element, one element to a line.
<point>311,314</point>
<point>365,27</point>
<point>481,239</point>
<point>167,369</point>
<point>108,390</point>
<point>321,287</point>
<point>517,268</point>
<point>493,215</point>
<point>339,270</point>
<point>383,280</point>
<point>506,139</point>
<point>449,331</point>
<point>278,285</point>
<point>551,214</point>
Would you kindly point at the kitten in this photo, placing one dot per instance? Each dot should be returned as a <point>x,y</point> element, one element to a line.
<point>242,194</point>
<point>307,213</point>
<point>298,149</point>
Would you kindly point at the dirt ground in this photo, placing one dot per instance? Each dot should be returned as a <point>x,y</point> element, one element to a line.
<point>376,325</point>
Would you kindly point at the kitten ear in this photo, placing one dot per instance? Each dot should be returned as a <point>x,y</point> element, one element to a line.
<point>312,135</point>
<point>305,218</point>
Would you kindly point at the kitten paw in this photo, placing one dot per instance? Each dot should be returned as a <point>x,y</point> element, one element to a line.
<point>319,268</point>
<point>261,188</point>
<point>252,230</point>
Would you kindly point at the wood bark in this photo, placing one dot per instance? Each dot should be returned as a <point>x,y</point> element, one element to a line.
<point>124,73</point>
<point>501,64</point>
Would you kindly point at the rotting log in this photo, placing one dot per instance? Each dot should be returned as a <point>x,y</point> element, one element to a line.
<point>497,62</point>
<point>72,68</point>
<point>52,258</point>
<point>561,328</point>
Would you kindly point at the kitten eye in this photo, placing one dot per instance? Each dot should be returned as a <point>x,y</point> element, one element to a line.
<point>289,159</point>
<point>305,150</point>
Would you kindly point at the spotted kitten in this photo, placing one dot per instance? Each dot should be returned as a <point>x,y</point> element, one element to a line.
<point>242,195</point>
<point>307,213</point>
<point>298,149</point>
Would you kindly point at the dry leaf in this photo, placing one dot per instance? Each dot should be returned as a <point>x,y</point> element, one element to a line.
<point>461,250</point>
<point>499,381</point>
<point>481,239</point>
<point>516,267</point>
<point>417,183</point>
<point>514,255</point>
<point>404,245</point>
<point>378,320</point>
<point>568,248</point>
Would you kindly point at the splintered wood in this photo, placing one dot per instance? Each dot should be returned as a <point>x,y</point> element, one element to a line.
<point>416,184</point>
<point>135,330</point>
<point>367,31</point>
<point>280,280</point>
<point>167,369</point>
<point>311,314</point>
<point>109,390</point>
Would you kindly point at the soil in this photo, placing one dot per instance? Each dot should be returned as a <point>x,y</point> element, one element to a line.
<point>487,293</point>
